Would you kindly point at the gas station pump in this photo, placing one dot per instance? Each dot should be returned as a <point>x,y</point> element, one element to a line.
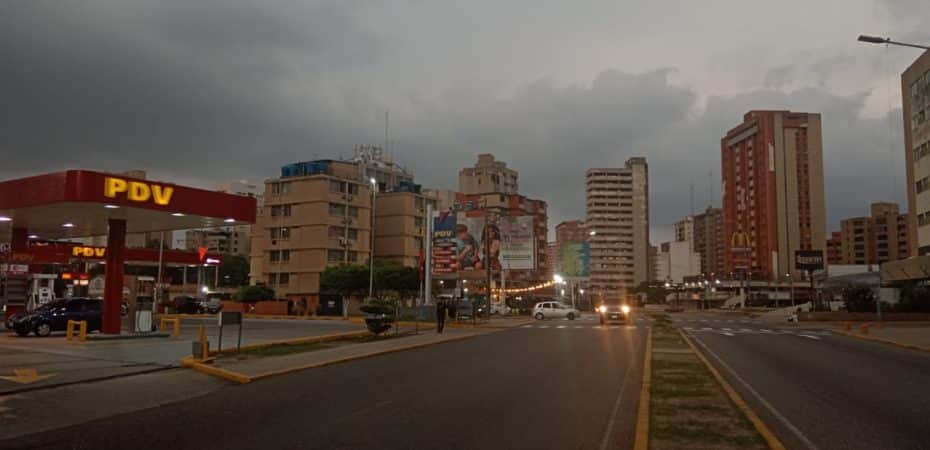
<point>139,298</point>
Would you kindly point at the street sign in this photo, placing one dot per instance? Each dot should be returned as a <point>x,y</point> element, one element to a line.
<point>229,318</point>
<point>809,260</point>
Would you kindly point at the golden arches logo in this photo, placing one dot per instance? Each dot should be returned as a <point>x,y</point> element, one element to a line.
<point>739,239</point>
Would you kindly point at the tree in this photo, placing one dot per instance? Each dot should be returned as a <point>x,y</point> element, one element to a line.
<point>405,281</point>
<point>859,299</point>
<point>914,298</point>
<point>655,291</point>
<point>254,293</point>
<point>344,280</point>
<point>234,270</point>
<point>380,313</point>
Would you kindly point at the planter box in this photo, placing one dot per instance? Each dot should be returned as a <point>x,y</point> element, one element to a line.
<point>271,308</point>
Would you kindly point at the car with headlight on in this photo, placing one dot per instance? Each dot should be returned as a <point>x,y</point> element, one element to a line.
<point>619,313</point>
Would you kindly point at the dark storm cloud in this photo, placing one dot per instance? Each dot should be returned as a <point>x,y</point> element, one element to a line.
<point>216,90</point>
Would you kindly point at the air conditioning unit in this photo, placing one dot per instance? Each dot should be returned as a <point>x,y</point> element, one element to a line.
<point>343,241</point>
<point>349,198</point>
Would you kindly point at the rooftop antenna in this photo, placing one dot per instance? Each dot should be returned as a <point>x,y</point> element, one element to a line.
<point>387,124</point>
<point>692,196</point>
<point>710,188</point>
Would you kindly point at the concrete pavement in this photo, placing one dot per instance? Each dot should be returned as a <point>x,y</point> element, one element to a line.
<point>514,388</point>
<point>820,390</point>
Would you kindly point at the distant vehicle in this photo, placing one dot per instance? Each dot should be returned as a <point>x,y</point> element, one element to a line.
<point>54,316</point>
<point>212,305</point>
<point>554,310</point>
<point>499,308</point>
<point>185,304</point>
<point>614,313</point>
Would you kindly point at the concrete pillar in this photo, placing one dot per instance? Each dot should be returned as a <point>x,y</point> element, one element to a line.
<point>113,277</point>
<point>19,240</point>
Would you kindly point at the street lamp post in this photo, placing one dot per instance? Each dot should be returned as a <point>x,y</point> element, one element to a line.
<point>371,255</point>
<point>882,40</point>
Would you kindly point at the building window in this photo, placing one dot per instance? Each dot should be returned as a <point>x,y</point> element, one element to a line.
<point>336,186</point>
<point>353,234</point>
<point>353,189</point>
<point>353,211</point>
<point>281,233</point>
<point>336,209</point>
<point>335,255</point>
<point>279,279</point>
<point>280,255</point>
<point>353,256</point>
<point>336,232</point>
<point>418,221</point>
<point>281,187</point>
<point>281,211</point>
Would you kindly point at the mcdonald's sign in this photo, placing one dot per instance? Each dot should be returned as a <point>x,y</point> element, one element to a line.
<point>739,242</point>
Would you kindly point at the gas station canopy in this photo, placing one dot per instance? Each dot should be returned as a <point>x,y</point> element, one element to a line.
<point>80,203</point>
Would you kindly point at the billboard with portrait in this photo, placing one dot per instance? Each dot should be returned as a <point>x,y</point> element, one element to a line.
<point>576,259</point>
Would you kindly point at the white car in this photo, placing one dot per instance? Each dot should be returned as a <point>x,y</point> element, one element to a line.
<point>554,310</point>
<point>500,308</point>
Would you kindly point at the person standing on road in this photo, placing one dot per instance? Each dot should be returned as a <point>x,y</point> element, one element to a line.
<point>440,315</point>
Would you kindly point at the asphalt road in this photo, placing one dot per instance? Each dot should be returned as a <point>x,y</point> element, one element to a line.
<point>820,390</point>
<point>554,388</point>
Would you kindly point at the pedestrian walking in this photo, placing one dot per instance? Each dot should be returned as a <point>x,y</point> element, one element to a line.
<point>440,315</point>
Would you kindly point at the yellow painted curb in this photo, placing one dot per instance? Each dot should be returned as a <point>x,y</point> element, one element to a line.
<point>298,341</point>
<point>354,357</point>
<point>641,441</point>
<point>770,439</point>
<point>883,341</point>
<point>216,371</point>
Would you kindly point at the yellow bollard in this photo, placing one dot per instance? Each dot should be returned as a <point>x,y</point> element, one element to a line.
<point>80,325</point>
<point>175,321</point>
<point>864,329</point>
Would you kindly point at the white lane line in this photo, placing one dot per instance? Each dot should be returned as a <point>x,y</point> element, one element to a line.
<point>727,334</point>
<point>703,320</point>
<point>689,329</point>
<point>707,329</point>
<point>810,337</point>
<point>746,330</point>
<point>766,331</point>
<point>801,437</point>
<point>727,329</point>
<point>605,441</point>
<point>578,326</point>
<point>561,326</point>
<point>527,326</point>
<point>544,326</point>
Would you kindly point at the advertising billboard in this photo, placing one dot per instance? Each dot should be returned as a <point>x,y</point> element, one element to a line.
<point>576,259</point>
<point>808,260</point>
<point>518,251</point>
<point>444,246</point>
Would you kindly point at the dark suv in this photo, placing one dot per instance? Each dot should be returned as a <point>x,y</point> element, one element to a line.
<point>54,316</point>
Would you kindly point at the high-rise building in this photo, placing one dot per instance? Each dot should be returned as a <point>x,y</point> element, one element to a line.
<point>676,260</point>
<point>570,231</point>
<point>915,87</point>
<point>773,200</point>
<point>708,240</point>
<point>400,225</point>
<point>488,176</point>
<point>552,259</point>
<point>684,230</point>
<point>835,248</point>
<point>618,214</point>
<point>876,239</point>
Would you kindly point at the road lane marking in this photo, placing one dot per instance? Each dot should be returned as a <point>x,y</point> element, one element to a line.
<point>809,336</point>
<point>578,326</point>
<point>766,331</point>
<point>605,441</point>
<point>561,326</point>
<point>544,326</point>
<point>746,330</point>
<point>727,334</point>
<point>727,329</point>
<point>527,326</point>
<point>797,433</point>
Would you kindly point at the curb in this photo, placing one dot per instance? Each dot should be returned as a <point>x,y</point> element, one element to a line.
<point>87,380</point>
<point>296,341</point>
<point>241,378</point>
<point>881,340</point>
<point>641,440</point>
<point>770,439</point>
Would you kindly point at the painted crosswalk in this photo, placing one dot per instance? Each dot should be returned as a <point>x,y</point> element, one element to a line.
<point>580,327</point>
<point>726,331</point>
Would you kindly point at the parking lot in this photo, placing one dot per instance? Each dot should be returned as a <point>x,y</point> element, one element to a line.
<point>27,362</point>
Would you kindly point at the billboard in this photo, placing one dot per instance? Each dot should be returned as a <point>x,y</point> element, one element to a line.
<point>808,260</point>
<point>511,242</point>
<point>576,259</point>
<point>518,249</point>
<point>444,247</point>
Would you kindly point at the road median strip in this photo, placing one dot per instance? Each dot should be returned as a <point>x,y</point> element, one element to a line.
<point>882,340</point>
<point>686,404</point>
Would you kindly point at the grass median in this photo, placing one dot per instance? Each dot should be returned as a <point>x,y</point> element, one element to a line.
<point>287,349</point>
<point>688,408</point>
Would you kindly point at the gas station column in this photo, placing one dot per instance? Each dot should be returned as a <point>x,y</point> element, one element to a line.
<point>113,278</point>
<point>19,239</point>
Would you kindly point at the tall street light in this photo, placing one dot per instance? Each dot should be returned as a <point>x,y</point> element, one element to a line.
<point>371,255</point>
<point>883,40</point>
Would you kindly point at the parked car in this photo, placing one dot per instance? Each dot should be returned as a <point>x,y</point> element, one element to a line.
<point>54,316</point>
<point>614,313</point>
<point>212,305</point>
<point>500,308</point>
<point>185,304</point>
<point>554,310</point>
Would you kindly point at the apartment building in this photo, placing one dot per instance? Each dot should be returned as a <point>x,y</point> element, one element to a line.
<point>835,248</point>
<point>674,261</point>
<point>915,87</point>
<point>708,240</point>
<point>773,199</point>
<point>878,238</point>
<point>488,176</point>
<point>617,203</point>
<point>400,225</point>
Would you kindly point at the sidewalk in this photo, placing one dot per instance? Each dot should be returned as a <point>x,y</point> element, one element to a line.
<point>914,335</point>
<point>255,368</point>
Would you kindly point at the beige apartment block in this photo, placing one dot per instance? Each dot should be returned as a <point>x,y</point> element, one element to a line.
<point>400,226</point>
<point>488,176</point>
<point>317,218</point>
<point>618,214</point>
<point>708,240</point>
<point>876,239</point>
<point>915,87</point>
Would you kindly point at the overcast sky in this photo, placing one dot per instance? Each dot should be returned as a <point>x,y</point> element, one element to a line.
<point>199,92</point>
